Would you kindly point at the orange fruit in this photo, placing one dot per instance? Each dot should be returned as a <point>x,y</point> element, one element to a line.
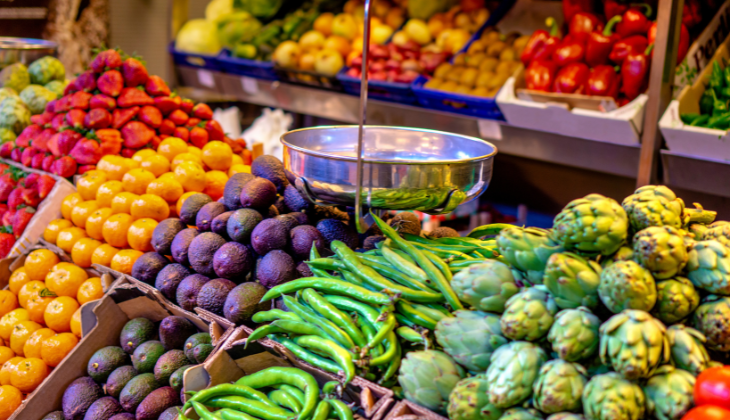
<point>166,188</point>
<point>191,176</point>
<point>171,147</point>
<point>236,160</point>
<point>107,191</point>
<point>83,250</point>
<point>21,332</point>
<point>114,166</point>
<point>95,222</point>
<point>140,155</point>
<point>76,323</point>
<point>103,255</point>
<point>39,263</point>
<point>239,168</point>
<point>65,279</point>
<point>167,175</point>
<point>10,400</point>
<point>89,184</point>
<point>6,353</point>
<point>51,232</point>
<point>28,374</point>
<point>182,199</point>
<point>215,181</point>
<point>82,211</point>
<point>122,202</point>
<point>124,260</point>
<point>8,368</point>
<point>36,307</point>
<point>115,229</point>
<point>217,155</point>
<point>139,234</point>
<point>56,348</point>
<point>68,204</point>
<point>90,290</point>
<point>131,164</point>
<point>186,157</point>
<point>150,206</point>
<point>137,180</point>
<point>18,280</point>
<point>59,312</point>
<point>34,343</point>
<point>29,290</point>
<point>68,237</point>
<point>10,319</point>
<point>195,151</point>
<point>156,164</point>
<point>8,301</point>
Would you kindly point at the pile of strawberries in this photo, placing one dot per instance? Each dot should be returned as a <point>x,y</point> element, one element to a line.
<point>20,195</point>
<point>114,108</point>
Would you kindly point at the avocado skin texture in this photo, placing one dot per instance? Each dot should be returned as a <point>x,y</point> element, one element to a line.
<point>181,245</point>
<point>136,332</point>
<point>241,224</point>
<point>191,207</point>
<point>146,268</point>
<point>194,340</point>
<point>170,414</point>
<point>137,390</point>
<point>176,379</point>
<point>118,379</point>
<point>54,415</point>
<point>212,296</point>
<point>337,230</point>
<point>79,396</point>
<point>207,213</point>
<point>271,168</point>
<point>164,233</point>
<point>232,190</point>
<point>156,403</point>
<point>103,409</point>
<point>174,330</point>
<point>244,301</point>
<point>146,355</point>
<point>105,361</point>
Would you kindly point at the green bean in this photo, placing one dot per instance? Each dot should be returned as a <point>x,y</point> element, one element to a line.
<point>204,413</point>
<point>274,314</point>
<point>310,316</point>
<point>440,264</point>
<point>464,263</point>
<point>391,345</point>
<point>489,230</point>
<point>228,414</point>
<point>415,315</point>
<point>328,264</point>
<point>391,273</point>
<point>318,272</point>
<point>405,321</point>
<point>441,253</point>
<point>328,285</point>
<point>362,309</point>
<point>181,415</point>
<point>335,352</point>
<point>309,357</point>
<point>322,411</point>
<point>349,277</point>
<point>393,366</point>
<point>403,265</point>
<point>402,254</point>
<point>290,376</point>
<point>284,400</point>
<point>458,241</point>
<point>339,318</point>
<point>439,308</point>
<point>414,238</point>
<point>254,408</point>
<point>313,252</point>
<point>434,314</point>
<point>296,393</point>
<point>410,335</point>
<point>343,411</point>
<point>383,331</point>
<point>375,251</point>
<point>228,390</point>
<point>287,327</point>
<point>369,331</point>
<point>332,387</point>
<point>485,252</point>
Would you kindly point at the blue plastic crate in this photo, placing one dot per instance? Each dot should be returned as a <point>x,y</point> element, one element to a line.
<point>386,91</point>
<point>245,67</point>
<point>201,61</point>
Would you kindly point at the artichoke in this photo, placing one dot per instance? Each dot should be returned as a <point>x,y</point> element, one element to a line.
<point>14,115</point>
<point>469,401</point>
<point>36,97</point>
<point>527,250</point>
<point>57,87</point>
<point>592,224</point>
<point>676,300</point>
<point>712,318</point>
<point>528,315</point>
<point>634,343</point>
<point>15,76</point>
<point>688,349</point>
<point>661,250</point>
<point>8,92</point>
<point>669,393</point>
<point>45,70</point>
<point>719,231</point>
<point>6,135</point>
<point>697,231</point>
<point>709,267</point>
<point>512,372</point>
<point>572,280</point>
<point>611,397</point>
<point>654,205</point>
<point>627,285</point>
<point>486,286</point>
<point>623,254</point>
<point>521,414</point>
<point>559,387</point>
<point>574,334</point>
<point>427,378</point>
<point>470,337</point>
<point>566,416</point>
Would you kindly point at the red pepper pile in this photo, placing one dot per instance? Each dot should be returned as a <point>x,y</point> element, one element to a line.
<point>711,395</point>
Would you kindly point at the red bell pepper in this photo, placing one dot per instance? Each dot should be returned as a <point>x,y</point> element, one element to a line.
<point>634,73</point>
<point>622,48</point>
<point>571,7</point>
<point>540,75</point>
<point>600,44</point>
<point>691,13</point>
<point>572,78</point>
<point>583,24</point>
<point>603,81</point>
<point>635,21</point>
<point>541,44</point>
<point>683,45</point>
<point>613,8</point>
<point>570,50</point>
<point>712,387</point>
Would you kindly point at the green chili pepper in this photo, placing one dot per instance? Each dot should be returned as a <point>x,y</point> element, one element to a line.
<point>351,278</point>
<point>329,311</point>
<point>252,407</point>
<point>434,314</point>
<point>721,122</point>
<point>309,357</point>
<point>322,412</point>
<point>391,345</point>
<point>296,393</point>
<point>719,107</point>
<point>287,327</point>
<point>227,390</point>
<point>415,315</point>
<point>393,366</point>
<point>228,414</point>
<point>489,230</point>
<point>726,76</point>
<point>369,332</point>
<point>342,410</point>
<point>403,264</point>
<point>328,285</point>
<point>336,353</point>
<point>385,329</point>
<point>284,400</point>
<point>204,413</point>
<point>310,316</point>
<point>440,264</point>
<point>701,121</point>
<point>393,274</point>
<point>290,376</point>
<point>331,388</point>
<point>716,77</point>
<point>405,321</point>
<point>364,310</point>
<point>410,335</point>
<point>707,102</point>
<point>274,314</point>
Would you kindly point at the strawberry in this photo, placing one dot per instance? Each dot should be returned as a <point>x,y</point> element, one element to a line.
<point>235,146</point>
<point>215,131</point>
<point>102,101</point>
<point>59,121</point>
<point>106,59</point>
<point>133,97</point>
<point>167,104</point>
<point>98,118</point>
<point>28,134</point>
<point>134,72</point>
<point>3,210</point>
<point>62,104</point>
<point>155,86</point>
<point>16,153</point>
<point>202,111</point>
<point>27,156</point>
<point>187,105</point>
<point>7,184</point>
<point>47,162</point>
<point>4,167</point>
<point>150,116</point>
<point>178,116</point>
<point>85,81</point>
<point>67,139</point>
<point>166,127</point>
<point>7,240</point>
<point>111,141</point>
<point>42,140</point>
<point>163,136</point>
<point>75,118</point>
<point>8,217</point>
<point>136,134</point>
<point>85,168</point>
<point>120,117</point>
<point>15,198</point>
<point>192,122</point>
<point>181,133</point>
<point>51,106</point>
<point>70,88</point>
<point>64,167</point>
<point>37,161</point>
<point>45,185</point>
<point>42,119</point>
<point>21,220</point>
<point>198,137</point>
<point>111,83</point>
<point>6,149</point>
<point>30,197</point>
<point>31,180</point>
<point>156,140</point>
<point>86,152</point>
<point>80,100</point>
<point>128,153</point>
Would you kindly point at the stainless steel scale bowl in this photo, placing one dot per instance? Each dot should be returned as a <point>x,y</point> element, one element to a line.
<point>24,50</point>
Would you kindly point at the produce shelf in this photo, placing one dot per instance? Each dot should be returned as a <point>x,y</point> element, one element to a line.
<point>696,174</point>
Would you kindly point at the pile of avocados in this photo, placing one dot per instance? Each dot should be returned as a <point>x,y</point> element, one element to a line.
<point>141,378</point>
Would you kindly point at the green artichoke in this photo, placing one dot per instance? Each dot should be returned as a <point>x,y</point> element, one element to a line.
<point>14,115</point>
<point>528,315</point>
<point>712,318</point>
<point>572,280</point>
<point>486,286</point>
<point>697,231</point>
<point>45,70</point>
<point>574,334</point>
<point>676,300</point>
<point>513,370</point>
<point>688,349</point>
<point>594,366</point>
<point>709,267</point>
<point>593,224</point>
<point>698,215</point>
<point>559,387</point>
<point>661,250</point>
<point>611,397</point>
<point>719,231</point>
<point>654,205</point>
<point>470,337</point>
<point>623,254</point>
<point>36,97</point>
<point>566,416</point>
<point>521,414</point>
<point>669,393</point>
<point>427,378</point>
<point>469,401</point>
<point>634,343</point>
<point>6,135</point>
<point>56,87</point>
<point>527,250</point>
<point>8,92</point>
<point>627,285</point>
<point>15,76</point>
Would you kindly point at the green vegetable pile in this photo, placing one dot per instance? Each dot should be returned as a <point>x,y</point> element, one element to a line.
<point>714,111</point>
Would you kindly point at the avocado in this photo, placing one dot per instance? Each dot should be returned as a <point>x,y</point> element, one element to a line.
<point>294,201</point>
<point>174,330</point>
<point>277,267</point>
<point>54,415</point>
<point>194,340</point>
<point>270,168</point>
<point>272,211</point>
<point>302,239</point>
<point>104,361</point>
<point>280,206</point>
<point>268,235</point>
<point>318,213</point>
<point>164,233</point>
<point>123,416</point>
<point>201,252</point>
<point>136,332</point>
<point>444,232</point>
<point>336,230</point>
<point>201,352</point>
<point>191,206</point>
<point>187,292</point>
<point>147,266</point>
<point>206,215</point>
<point>290,221</point>
<point>168,363</point>
<point>302,218</point>
<point>170,414</point>
<point>232,190</point>
<point>213,295</point>
<point>244,301</point>
<point>103,409</point>
<point>233,261</point>
<point>118,379</point>
<point>78,397</point>
<point>146,355</point>
<point>406,222</point>
<point>156,403</point>
<point>137,390</point>
<point>242,223</point>
<point>219,225</point>
<point>181,244</point>
<point>176,379</point>
<point>370,241</point>
<point>303,270</point>
<point>169,279</point>
<point>259,193</point>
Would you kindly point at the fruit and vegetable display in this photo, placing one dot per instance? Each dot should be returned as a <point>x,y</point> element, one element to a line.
<point>714,112</point>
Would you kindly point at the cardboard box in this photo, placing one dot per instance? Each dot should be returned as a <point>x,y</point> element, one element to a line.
<point>406,410</point>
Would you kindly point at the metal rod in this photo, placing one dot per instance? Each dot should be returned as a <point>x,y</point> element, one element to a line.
<point>359,222</point>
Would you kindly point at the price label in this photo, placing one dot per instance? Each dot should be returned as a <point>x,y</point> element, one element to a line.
<point>489,129</point>
<point>206,79</point>
<point>250,85</point>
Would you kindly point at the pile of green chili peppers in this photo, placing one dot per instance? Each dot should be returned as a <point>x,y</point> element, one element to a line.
<point>714,111</point>
<point>293,394</point>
